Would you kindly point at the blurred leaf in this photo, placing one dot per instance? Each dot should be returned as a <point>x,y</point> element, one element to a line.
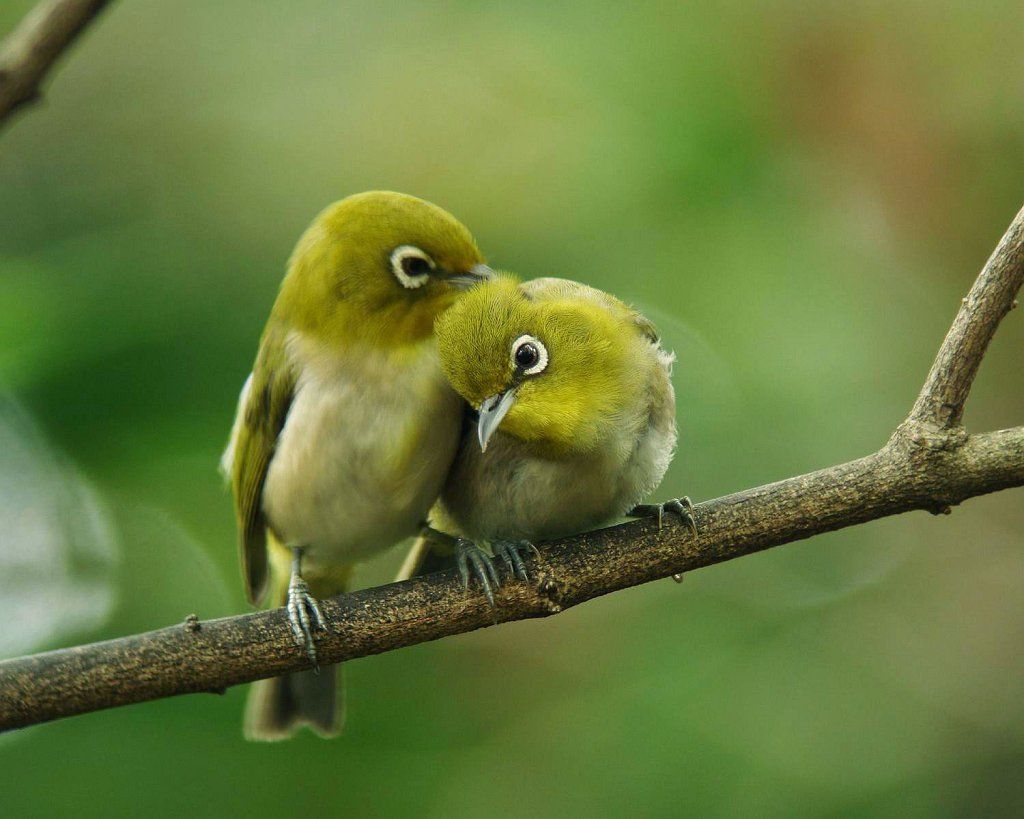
<point>57,548</point>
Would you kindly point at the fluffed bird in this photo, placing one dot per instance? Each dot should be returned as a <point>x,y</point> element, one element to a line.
<point>346,427</point>
<point>576,420</point>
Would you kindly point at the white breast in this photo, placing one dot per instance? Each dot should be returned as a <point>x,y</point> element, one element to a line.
<point>364,451</point>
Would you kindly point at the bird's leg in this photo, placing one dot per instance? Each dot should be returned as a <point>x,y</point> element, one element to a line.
<point>303,611</point>
<point>436,538</point>
<point>680,506</point>
<point>511,551</point>
<point>468,554</point>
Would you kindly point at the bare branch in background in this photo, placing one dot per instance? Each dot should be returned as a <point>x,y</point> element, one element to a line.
<point>929,463</point>
<point>30,51</point>
<point>942,399</point>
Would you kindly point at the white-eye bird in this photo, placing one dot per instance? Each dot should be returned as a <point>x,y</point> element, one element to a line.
<point>346,427</point>
<point>576,419</point>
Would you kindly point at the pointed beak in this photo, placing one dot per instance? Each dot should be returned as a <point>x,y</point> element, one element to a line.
<point>476,274</point>
<point>492,410</point>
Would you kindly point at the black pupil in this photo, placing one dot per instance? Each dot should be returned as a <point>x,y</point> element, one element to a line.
<point>527,355</point>
<point>415,266</point>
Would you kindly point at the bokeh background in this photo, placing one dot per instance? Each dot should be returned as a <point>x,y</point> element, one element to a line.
<point>799,193</point>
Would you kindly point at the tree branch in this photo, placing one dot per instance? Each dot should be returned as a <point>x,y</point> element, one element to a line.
<point>929,463</point>
<point>942,399</point>
<point>30,51</point>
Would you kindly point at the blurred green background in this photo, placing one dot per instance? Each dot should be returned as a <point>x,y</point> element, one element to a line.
<point>800,193</point>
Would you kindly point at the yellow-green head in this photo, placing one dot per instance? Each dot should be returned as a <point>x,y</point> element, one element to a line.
<point>552,362</point>
<point>378,267</point>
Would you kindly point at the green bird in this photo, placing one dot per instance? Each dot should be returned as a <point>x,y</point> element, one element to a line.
<point>346,427</point>
<point>576,420</point>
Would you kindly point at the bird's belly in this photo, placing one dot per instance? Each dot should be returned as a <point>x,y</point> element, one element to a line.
<point>359,464</point>
<point>529,498</point>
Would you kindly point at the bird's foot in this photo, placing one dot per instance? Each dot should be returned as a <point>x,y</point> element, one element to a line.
<point>683,507</point>
<point>304,617</point>
<point>680,506</point>
<point>512,552</point>
<point>470,556</point>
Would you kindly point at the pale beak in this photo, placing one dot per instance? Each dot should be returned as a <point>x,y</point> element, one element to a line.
<point>492,410</point>
<point>476,274</point>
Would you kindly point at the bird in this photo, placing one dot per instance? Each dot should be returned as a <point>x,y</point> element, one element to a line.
<point>346,427</point>
<point>575,423</point>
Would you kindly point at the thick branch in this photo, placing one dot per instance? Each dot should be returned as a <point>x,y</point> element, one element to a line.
<point>941,402</point>
<point>210,656</point>
<point>929,463</point>
<point>30,51</point>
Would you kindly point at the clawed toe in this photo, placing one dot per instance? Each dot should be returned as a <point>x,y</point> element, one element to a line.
<point>467,555</point>
<point>511,551</point>
<point>304,617</point>
<point>683,507</point>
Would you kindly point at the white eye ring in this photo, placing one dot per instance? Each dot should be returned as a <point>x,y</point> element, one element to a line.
<point>540,361</point>
<point>402,257</point>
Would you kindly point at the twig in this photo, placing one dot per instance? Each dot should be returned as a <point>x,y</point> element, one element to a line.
<point>30,51</point>
<point>929,463</point>
<point>942,399</point>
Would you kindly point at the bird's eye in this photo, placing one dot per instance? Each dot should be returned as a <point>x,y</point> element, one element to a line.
<point>529,355</point>
<point>411,266</point>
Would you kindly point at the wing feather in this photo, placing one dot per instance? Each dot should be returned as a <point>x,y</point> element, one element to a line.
<point>261,416</point>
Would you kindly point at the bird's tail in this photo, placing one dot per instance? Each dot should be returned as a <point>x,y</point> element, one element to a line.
<point>278,707</point>
<point>432,551</point>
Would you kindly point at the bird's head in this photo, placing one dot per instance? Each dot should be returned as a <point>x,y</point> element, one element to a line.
<point>551,366</point>
<point>379,267</point>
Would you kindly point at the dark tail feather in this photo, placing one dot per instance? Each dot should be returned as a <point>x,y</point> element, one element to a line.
<point>278,707</point>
